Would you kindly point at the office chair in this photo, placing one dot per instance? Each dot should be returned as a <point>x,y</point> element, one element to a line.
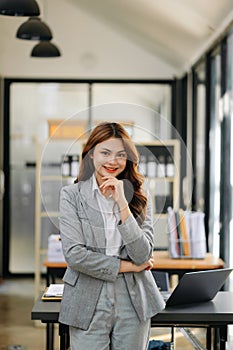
<point>162,280</point>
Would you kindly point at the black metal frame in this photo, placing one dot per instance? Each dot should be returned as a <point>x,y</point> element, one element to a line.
<point>195,83</point>
<point>6,141</point>
<point>225,200</point>
<point>225,187</point>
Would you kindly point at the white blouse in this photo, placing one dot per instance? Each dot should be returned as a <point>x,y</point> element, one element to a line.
<point>111,217</point>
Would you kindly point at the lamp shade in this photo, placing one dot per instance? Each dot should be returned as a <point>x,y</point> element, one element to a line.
<point>45,49</point>
<point>34,29</point>
<point>19,8</point>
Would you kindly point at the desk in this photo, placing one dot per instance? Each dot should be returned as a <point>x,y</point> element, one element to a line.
<point>162,262</point>
<point>54,270</point>
<point>216,314</point>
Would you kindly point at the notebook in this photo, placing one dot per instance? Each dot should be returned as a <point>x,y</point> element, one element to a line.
<point>197,287</point>
<point>53,292</point>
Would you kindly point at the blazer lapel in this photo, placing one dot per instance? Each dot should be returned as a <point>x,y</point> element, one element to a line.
<point>92,212</point>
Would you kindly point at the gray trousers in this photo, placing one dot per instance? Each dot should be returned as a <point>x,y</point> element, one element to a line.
<point>115,325</point>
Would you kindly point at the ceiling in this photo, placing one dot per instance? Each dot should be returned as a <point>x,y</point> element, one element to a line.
<point>176,31</point>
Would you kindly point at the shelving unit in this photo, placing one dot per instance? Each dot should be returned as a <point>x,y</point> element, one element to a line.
<point>49,181</point>
<point>164,190</point>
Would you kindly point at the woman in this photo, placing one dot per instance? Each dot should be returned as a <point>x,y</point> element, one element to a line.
<point>107,238</point>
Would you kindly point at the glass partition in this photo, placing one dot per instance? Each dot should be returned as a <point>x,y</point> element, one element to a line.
<point>215,154</point>
<point>35,106</point>
<point>200,137</point>
<point>32,105</point>
<point>147,106</point>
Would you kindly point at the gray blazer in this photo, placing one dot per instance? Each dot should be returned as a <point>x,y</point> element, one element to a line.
<point>83,242</point>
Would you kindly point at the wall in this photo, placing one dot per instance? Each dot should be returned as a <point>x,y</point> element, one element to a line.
<point>89,48</point>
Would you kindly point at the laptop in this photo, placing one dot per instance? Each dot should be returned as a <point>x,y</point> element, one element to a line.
<point>197,287</point>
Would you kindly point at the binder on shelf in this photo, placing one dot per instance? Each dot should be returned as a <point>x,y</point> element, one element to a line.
<point>173,235</point>
<point>198,234</point>
<point>184,234</point>
<point>187,237</point>
<point>180,239</point>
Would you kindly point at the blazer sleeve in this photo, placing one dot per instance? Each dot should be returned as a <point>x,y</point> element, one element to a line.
<point>138,239</point>
<point>78,256</point>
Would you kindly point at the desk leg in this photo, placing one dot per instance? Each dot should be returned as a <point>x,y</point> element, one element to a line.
<point>64,336</point>
<point>208,338</point>
<point>47,277</point>
<point>222,337</point>
<point>49,336</point>
<point>50,276</point>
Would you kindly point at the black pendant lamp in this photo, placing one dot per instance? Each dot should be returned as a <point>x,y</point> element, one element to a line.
<point>45,49</point>
<point>19,8</point>
<point>34,29</point>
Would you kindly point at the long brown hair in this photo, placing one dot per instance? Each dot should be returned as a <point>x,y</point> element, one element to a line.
<point>103,132</point>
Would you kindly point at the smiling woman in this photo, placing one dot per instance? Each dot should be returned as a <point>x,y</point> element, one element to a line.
<point>109,157</point>
<point>111,135</point>
<point>107,239</point>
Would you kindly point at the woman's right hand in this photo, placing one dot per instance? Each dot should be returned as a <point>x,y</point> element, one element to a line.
<point>129,266</point>
<point>148,265</point>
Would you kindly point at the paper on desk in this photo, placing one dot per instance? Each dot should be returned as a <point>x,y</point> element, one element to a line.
<point>54,290</point>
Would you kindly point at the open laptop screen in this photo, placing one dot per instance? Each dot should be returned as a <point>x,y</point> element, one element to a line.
<point>198,286</point>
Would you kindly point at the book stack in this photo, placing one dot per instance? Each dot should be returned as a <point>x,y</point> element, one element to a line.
<point>187,238</point>
<point>55,253</point>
